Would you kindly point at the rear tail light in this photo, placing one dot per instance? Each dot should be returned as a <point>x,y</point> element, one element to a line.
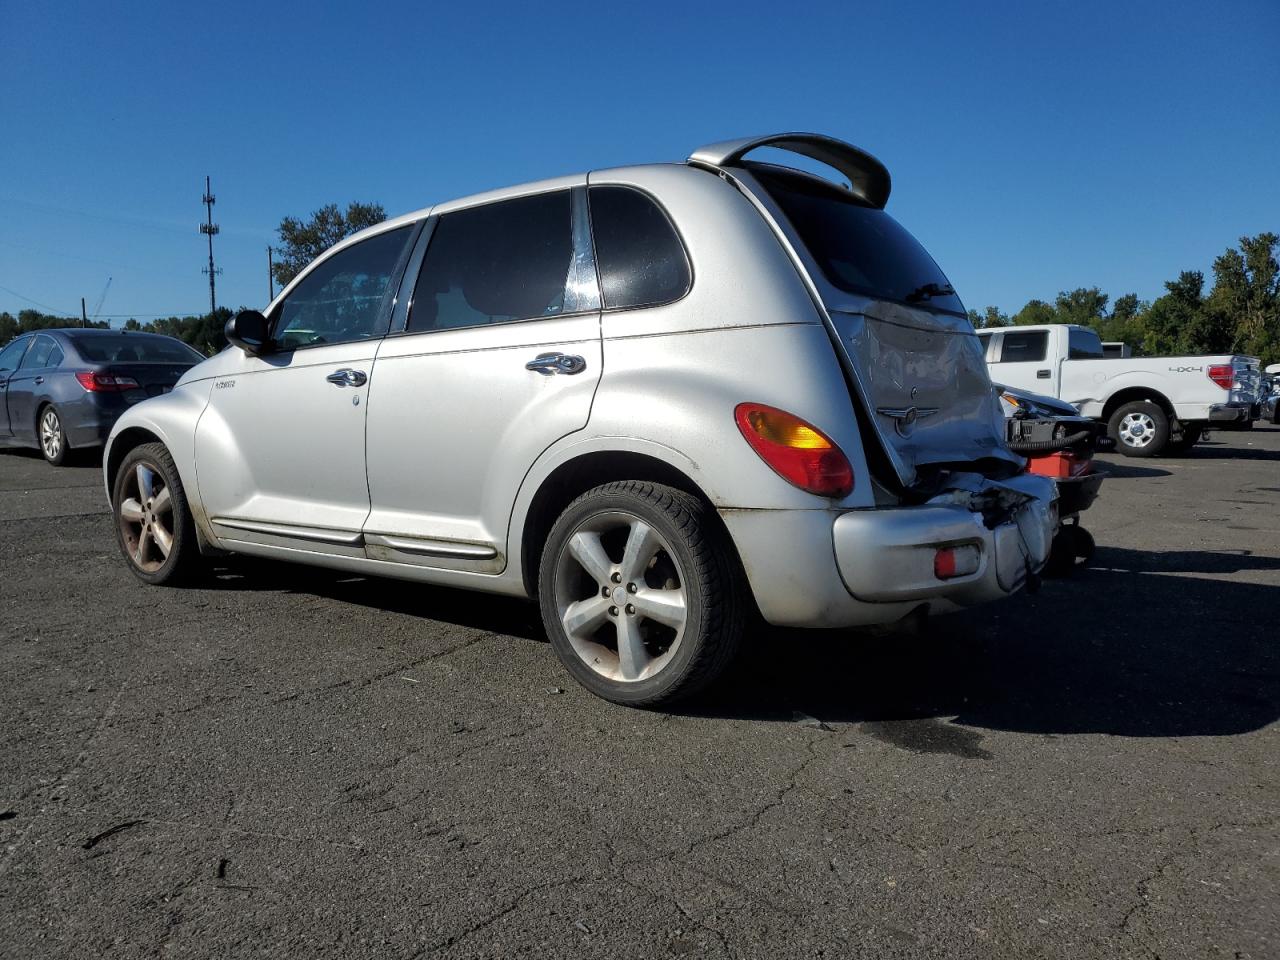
<point>952,562</point>
<point>798,452</point>
<point>105,382</point>
<point>1222,374</point>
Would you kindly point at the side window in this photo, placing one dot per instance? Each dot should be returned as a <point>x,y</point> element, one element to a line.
<point>38,356</point>
<point>985,340</point>
<point>55,358</point>
<point>1029,347</point>
<point>496,263</point>
<point>1084,345</point>
<point>11,355</point>
<point>345,297</point>
<point>641,260</point>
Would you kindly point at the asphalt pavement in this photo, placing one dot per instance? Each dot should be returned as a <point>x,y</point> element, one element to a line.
<point>289,762</point>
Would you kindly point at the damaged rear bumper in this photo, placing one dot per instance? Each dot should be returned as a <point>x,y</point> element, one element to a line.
<point>887,556</point>
<point>884,558</point>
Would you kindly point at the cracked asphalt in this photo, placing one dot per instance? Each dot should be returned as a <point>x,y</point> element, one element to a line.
<point>288,762</point>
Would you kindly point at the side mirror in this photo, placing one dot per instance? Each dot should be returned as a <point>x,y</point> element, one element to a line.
<point>250,331</point>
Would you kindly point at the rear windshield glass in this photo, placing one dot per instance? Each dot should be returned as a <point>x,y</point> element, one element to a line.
<point>134,348</point>
<point>859,248</point>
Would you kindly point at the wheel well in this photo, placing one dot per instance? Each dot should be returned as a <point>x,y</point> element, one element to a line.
<point>1131,394</point>
<point>570,480</point>
<point>120,447</point>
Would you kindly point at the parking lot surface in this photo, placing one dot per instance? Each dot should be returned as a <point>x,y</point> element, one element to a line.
<point>291,762</point>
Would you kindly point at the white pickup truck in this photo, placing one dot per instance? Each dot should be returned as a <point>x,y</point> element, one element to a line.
<point>1151,405</point>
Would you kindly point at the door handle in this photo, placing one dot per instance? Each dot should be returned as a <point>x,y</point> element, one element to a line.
<point>346,377</point>
<point>549,363</point>
<point>1043,374</point>
<point>39,380</point>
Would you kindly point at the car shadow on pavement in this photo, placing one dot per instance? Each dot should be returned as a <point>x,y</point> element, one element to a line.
<point>1109,651</point>
<point>463,608</point>
<point>1232,446</point>
<point>1127,471</point>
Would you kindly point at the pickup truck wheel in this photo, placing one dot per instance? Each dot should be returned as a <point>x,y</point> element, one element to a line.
<point>639,593</point>
<point>1140,429</point>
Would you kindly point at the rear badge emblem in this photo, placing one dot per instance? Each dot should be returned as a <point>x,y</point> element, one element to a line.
<point>905,418</point>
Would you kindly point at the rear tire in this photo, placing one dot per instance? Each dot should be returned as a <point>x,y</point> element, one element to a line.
<point>154,527</point>
<point>1140,429</point>
<point>51,437</point>
<point>641,594</point>
<point>1191,434</point>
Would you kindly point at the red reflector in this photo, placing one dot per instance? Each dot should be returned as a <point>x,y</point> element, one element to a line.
<point>1222,374</point>
<point>105,382</point>
<point>797,451</point>
<point>944,563</point>
<point>959,561</point>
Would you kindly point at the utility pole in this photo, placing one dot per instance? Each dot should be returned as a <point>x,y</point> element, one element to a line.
<point>271,282</point>
<point>84,315</point>
<point>210,229</point>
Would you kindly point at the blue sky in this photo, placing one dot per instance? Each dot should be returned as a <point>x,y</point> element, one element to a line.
<point>1034,147</point>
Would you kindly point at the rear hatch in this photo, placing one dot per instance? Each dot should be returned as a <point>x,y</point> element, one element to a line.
<point>911,354</point>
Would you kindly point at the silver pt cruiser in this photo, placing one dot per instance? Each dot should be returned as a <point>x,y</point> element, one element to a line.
<point>657,399</point>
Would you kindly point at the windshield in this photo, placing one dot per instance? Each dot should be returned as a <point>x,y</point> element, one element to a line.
<point>859,248</point>
<point>134,348</point>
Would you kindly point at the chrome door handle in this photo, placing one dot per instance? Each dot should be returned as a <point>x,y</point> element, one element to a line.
<point>346,377</point>
<point>549,363</point>
<point>39,380</point>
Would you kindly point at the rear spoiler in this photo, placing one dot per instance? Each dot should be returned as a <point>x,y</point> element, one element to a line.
<point>868,177</point>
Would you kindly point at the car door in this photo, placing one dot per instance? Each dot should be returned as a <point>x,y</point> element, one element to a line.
<point>1021,359</point>
<point>279,449</point>
<point>24,384</point>
<point>10,359</point>
<point>498,358</point>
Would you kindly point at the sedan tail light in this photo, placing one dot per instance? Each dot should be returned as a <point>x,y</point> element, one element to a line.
<point>105,382</point>
<point>797,451</point>
<point>1222,374</point>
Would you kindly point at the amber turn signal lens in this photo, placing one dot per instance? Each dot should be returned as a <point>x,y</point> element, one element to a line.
<point>797,451</point>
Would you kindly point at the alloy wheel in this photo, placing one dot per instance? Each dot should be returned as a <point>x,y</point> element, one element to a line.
<point>50,434</point>
<point>1137,429</point>
<point>145,514</point>
<point>620,595</point>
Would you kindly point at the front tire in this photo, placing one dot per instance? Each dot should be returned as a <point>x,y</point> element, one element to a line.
<point>153,521</point>
<point>640,593</point>
<point>1140,429</point>
<point>51,435</point>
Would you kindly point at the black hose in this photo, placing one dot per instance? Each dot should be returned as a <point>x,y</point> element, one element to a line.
<point>1048,446</point>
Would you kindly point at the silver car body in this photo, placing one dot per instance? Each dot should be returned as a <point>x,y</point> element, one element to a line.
<point>441,465</point>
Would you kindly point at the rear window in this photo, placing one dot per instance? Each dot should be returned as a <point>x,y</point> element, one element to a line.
<point>134,348</point>
<point>641,260</point>
<point>1029,347</point>
<point>859,248</point>
<point>1084,345</point>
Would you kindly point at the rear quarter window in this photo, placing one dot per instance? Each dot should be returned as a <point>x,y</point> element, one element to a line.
<point>639,256</point>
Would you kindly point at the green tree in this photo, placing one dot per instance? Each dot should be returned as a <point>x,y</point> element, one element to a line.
<point>303,241</point>
<point>991,317</point>
<point>1243,309</point>
<point>1036,311</point>
<point>1171,324</point>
